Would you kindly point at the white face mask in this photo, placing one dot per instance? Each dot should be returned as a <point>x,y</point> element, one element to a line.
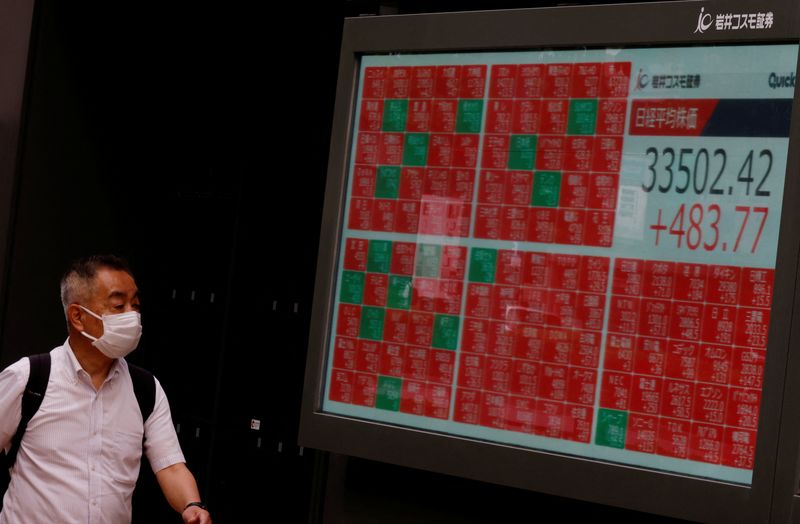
<point>121,333</point>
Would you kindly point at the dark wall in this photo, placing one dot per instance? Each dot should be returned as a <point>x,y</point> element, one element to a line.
<point>193,140</point>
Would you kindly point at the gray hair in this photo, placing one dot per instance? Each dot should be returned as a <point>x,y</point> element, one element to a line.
<point>78,283</point>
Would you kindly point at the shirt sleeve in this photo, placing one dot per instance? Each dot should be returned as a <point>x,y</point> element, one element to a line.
<point>161,442</point>
<point>12,385</point>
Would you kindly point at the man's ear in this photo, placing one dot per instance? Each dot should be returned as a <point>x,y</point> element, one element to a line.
<point>75,317</point>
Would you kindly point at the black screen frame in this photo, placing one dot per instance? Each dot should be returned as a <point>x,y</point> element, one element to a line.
<point>676,495</point>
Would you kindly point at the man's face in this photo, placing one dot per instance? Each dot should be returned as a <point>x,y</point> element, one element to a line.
<point>114,292</point>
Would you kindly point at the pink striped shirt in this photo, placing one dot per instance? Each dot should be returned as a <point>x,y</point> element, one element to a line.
<point>80,457</point>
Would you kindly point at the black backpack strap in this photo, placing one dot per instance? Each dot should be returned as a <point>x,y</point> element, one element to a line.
<point>32,398</point>
<point>144,387</point>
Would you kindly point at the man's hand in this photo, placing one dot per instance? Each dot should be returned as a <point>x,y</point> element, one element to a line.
<point>195,515</point>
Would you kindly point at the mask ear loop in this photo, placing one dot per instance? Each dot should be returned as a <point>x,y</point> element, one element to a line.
<point>95,315</point>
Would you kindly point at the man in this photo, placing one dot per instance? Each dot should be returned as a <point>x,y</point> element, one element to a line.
<point>79,458</point>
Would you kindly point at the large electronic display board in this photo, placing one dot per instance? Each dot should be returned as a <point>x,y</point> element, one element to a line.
<point>568,250</point>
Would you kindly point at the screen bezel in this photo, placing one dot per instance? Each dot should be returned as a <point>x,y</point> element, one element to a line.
<point>663,24</point>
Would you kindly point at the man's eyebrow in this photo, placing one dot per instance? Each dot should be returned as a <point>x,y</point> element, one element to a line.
<point>120,294</point>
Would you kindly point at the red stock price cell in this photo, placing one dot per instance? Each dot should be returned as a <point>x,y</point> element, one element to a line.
<point>743,408</point>
<point>681,360</point>
<point>376,287</point>
<point>619,352</point>
<point>443,116</point>
<point>437,401</point>
<point>624,317</point>
<point>536,270</point>
<point>574,190</point>
<point>607,154</point>
<point>599,228</point>
<point>570,226</point>
<point>645,394</point>
<point>616,391</point>
<point>585,349</point>
<point>603,191</point>
<point>415,366</point>
<point>453,262</point>
<point>448,302</point>
<point>557,346</point>
<point>493,410</point>
<point>557,80</point>
<point>447,82</point>
<point>578,156</point>
<point>365,388</point>
<point>719,323</point>
<point>723,285</point>
<point>739,448</point>
<point>654,317</point>
<point>371,115</point>
<point>392,359</point>
<point>554,117</point>
<point>465,151</point>
<point>752,326</point>
<point>488,222</point>
<point>364,178</point>
<point>468,406</point>
<point>685,320</point>
<point>423,294</point>
<point>611,116</point>
<point>422,81</point>
<point>529,342</point>
<point>658,279</point>
<point>407,219</point>
<point>497,374</point>
<point>492,187</point>
<point>615,79</point>
<point>577,423</point>
<point>355,254</point>
<point>714,363</point>
<point>705,443</point>
<point>514,223</point>
<point>440,154</point>
<point>495,151</point>
<point>479,300</point>
<point>411,182</point>
<point>509,267</point>
<point>375,80</point>
<point>473,81</point>
<point>650,356</point>
<point>553,382</point>
<point>747,369</point>
<point>471,371</point>
<point>589,311</point>
<point>390,149</point>
<point>349,321</point>
<point>677,399</point>
<point>384,215</point>
<point>593,276</point>
<point>368,356</point>
<point>440,366</point>
<point>412,397</point>
<point>501,339</point>
<point>561,309</point>
<point>549,419</point>
<point>530,80</point>
<point>757,287</point>
<point>498,116</point>
<point>520,414</point>
<point>585,80</point>
<point>628,275</point>
<point>399,82</point>
<point>420,332</point>
<point>581,387</point>
<point>344,353</point>
<point>674,438</point>
<point>419,116</point>
<point>475,336</point>
<point>525,378</point>
<point>709,403</point>
<point>341,389</point>
<point>690,282</point>
<point>641,433</point>
<point>541,224</point>
<point>360,214</point>
<point>550,153</point>
<point>526,116</point>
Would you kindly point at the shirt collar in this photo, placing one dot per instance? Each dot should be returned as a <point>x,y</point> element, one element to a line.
<point>74,369</point>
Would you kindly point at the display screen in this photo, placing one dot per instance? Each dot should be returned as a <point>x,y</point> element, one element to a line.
<point>570,251</point>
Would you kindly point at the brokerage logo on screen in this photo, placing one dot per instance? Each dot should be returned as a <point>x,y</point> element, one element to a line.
<point>733,21</point>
